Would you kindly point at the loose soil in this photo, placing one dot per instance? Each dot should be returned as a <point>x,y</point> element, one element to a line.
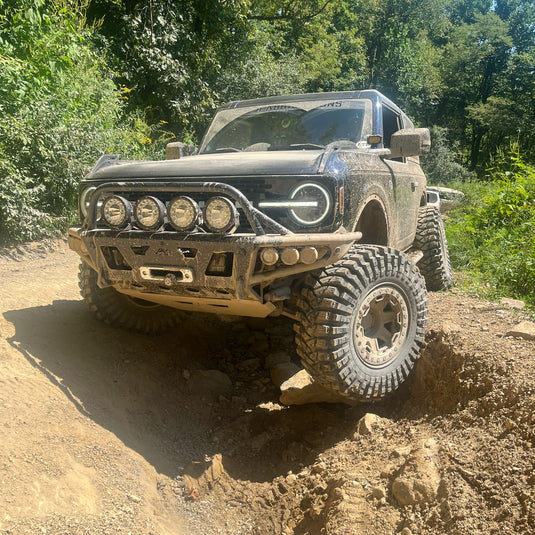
<point>104,431</point>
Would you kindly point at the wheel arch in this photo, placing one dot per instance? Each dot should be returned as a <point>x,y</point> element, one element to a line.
<point>372,221</point>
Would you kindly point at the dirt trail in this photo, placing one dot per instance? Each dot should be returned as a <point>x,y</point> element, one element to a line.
<point>104,431</point>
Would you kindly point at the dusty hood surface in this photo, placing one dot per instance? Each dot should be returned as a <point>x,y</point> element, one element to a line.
<point>216,165</point>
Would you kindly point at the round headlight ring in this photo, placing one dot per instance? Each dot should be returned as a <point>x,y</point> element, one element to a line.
<point>116,211</point>
<point>310,192</point>
<point>85,199</point>
<point>220,215</point>
<point>183,213</point>
<point>149,213</point>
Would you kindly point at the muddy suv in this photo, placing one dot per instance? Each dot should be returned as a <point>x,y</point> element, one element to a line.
<point>310,206</point>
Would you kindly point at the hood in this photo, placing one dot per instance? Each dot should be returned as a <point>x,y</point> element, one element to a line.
<point>295,162</point>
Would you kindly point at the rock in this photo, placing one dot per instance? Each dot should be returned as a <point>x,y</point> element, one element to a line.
<point>199,475</point>
<point>209,383</point>
<point>291,479</point>
<point>419,478</point>
<point>270,406</point>
<point>368,423</point>
<point>278,357</point>
<point>402,489</point>
<point>401,452</point>
<point>450,328</point>
<point>512,303</point>
<point>301,389</point>
<point>282,371</point>
<point>378,492</point>
<point>525,329</point>
<point>319,467</point>
<point>250,364</point>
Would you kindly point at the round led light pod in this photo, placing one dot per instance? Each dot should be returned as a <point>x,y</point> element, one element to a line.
<point>116,211</point>
<point>269,256</point>
<point>183,213</point>
<point>149,213</point>
<point>220,215</point>
<point>308,255</point>
<point>290,256</point>
<point>314,201</point>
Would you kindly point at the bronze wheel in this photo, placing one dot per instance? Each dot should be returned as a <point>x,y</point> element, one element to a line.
<point>362,322</point>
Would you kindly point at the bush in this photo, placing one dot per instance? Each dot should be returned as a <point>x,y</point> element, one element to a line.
<point>59,111</point>
<point>440,165</point>
<point>493,234</point>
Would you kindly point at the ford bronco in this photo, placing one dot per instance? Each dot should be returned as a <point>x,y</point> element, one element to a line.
<point>310,206</point>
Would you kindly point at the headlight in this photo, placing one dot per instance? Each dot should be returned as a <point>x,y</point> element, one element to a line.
<point>116,212</point>
<point>85,199</point>
<point>183,213</point>
<point>149,213</point>
<point>315,203</point>
<point>220,215</point>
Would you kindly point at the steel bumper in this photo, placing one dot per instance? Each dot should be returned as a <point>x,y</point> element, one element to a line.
<point>199,270</point>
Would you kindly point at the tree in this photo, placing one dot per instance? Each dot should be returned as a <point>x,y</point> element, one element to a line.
<point>475,59</point>
<point>165,51</point>
<point>58,113</point>
<point>488,92</point>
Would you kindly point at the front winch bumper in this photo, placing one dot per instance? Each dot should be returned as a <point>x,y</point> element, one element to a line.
<point>200,271</point>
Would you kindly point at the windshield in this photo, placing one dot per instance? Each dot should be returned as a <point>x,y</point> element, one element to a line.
<point>310,124</point>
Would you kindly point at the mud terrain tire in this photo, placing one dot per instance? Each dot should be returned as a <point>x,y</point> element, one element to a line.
<point>120,310</point>
<point>431,240</point>
<point>362,322</point>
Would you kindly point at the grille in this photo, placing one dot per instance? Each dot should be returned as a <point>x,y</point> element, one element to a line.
<point>254,189</point>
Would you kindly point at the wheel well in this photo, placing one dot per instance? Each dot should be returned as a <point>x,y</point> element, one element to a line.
<point>372,223</point>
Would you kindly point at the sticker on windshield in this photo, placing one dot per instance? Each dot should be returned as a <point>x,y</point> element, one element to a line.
<point>337,104</point>
<point>345,104</point>
<point>278,107</point>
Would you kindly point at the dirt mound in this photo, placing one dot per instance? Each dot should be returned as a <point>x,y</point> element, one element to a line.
<point>452,452</point>
<point>31,250</point>
<point>447,379</point>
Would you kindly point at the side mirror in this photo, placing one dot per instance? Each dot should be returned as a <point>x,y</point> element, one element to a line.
<point>410,142</point>
<point>176,150</point>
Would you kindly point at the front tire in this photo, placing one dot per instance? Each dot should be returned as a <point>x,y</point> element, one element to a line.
<point>362,322</point>
<point>120,310</point>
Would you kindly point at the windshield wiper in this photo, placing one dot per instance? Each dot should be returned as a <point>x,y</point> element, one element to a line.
<point>306,146</point>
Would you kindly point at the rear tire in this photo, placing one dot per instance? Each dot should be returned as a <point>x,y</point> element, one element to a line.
<point>120,310</point>
<point>430,238</point>
<point>362,322</point>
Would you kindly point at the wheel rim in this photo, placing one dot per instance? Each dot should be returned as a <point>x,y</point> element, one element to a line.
<point>381,326</point>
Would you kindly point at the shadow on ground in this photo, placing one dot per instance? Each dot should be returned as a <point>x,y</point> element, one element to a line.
<point>134,386</point>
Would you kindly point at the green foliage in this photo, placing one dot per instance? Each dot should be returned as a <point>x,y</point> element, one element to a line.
<point>258,74</point>
<point>440,165</point>
<point>81,77</point>
<point>58,112</point>
<point>494,233</point>
<point>167,53</point>
<point>488,90</point>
